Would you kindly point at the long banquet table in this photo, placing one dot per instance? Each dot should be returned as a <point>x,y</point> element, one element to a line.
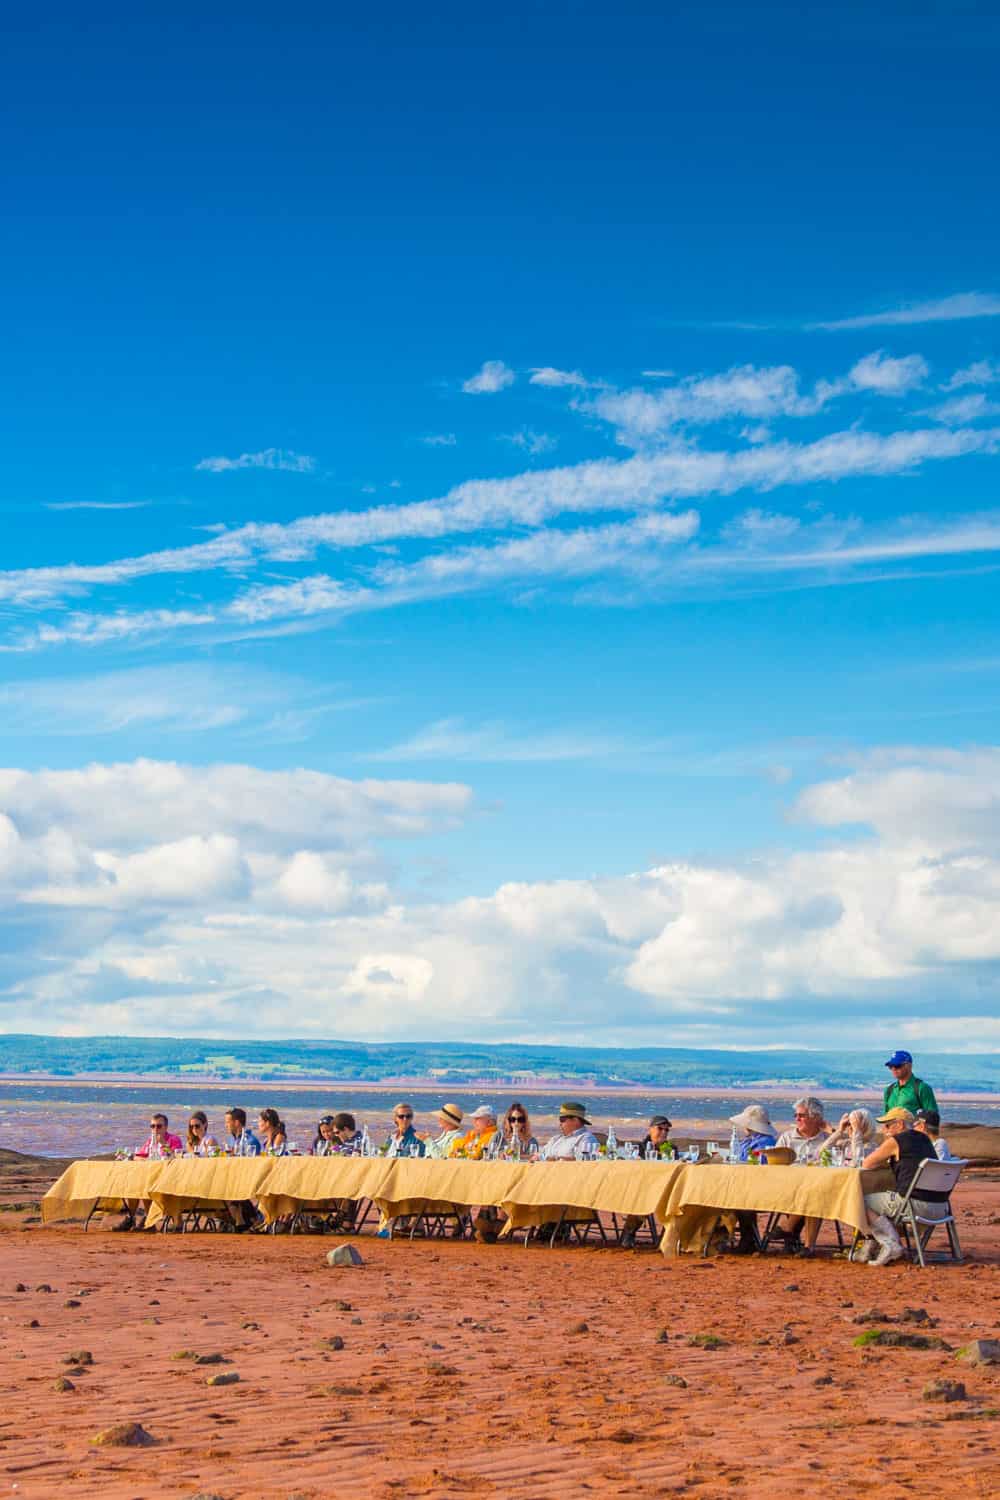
<point>679,1195</point>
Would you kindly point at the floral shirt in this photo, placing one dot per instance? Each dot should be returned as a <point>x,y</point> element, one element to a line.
<point>475,1144</point>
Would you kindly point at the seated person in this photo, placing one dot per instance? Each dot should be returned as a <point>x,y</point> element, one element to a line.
<point>347,1136</point>
<point>574,1135</point>
<point>244,1142</point>
<point>856,1134</point>
<point>161,1143</point>
<point>903,1150</point>
<point>199,1142</point>
<point>325,1142</point>
<point>514,1138</point>
<point>449,1118</point>
<point>929,1121</point>
<point>807,1138</point>
<point>476,1142</point>
<point>657,1135</point>
<point>754,1131</point>
<point>273,1137</point>
<point>404,1140</point>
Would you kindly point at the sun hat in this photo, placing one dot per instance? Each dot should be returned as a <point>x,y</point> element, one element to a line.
<point>896,1114</point>
<point>571,1109</point>
<point>483,1113</point>
<point>898,1059</point>
<point>754,1118</point>
<point>662,1121</point>
<point>451,1112</point>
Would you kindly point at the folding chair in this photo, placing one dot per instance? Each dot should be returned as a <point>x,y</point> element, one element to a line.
<point>935,1177</point>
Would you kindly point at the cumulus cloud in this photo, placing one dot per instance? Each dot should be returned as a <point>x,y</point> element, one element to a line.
<point>268,458</point>
<point>546,375</point>
<point>886,376</point>
<point>243,908</point>
<point>494,376</point>
<point>980,372</point>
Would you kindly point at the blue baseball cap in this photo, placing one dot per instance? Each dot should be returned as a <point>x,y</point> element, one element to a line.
<point>898,1058</point>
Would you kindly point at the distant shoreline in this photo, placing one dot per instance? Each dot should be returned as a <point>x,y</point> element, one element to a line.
<point>417,1085</point>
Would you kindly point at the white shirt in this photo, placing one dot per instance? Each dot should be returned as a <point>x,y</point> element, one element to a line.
<point>941,1150</point>
<point>441,1145</point>
<point>564,1147</point>
<point>806,1148</point>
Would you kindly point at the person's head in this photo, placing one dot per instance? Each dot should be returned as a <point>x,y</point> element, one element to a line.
<point>449,1117</point>
<point>659,1130</point>
<point>754,1120</point>
<point>484,1119</point>
<point>808,1116</point>
<point>270,1123</point>
<point>515,1121</point>
<point>894,1121</point>
<point>197,1129</point>
<point>236,1120</point>
<point>344,1125</point>
<point>402,1118</point>
<point>928,1121</point>
<point>324,1130</point>
<point>900,1065</point>
<point>572,1117</point>
<point>158,1127</point>
<point>862,1122</point>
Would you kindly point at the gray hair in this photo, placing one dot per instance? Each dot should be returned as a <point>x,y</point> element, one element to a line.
<point>864,1121</point>
<point>811,1106</point>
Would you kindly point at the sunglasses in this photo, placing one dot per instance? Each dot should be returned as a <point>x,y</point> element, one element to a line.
<point>157,1125</point>
<point>404,1117</point>
<point>518,1119</point>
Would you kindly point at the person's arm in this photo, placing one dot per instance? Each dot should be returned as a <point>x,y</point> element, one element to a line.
<point>885,1098</point>
<point>926,1096</point>
<point>883,1153</point>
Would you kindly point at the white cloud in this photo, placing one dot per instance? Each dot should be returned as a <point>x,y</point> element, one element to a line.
<point>944,310</point>
<point>961,410</point>
<point>886,376</point>
<point>455,740</point>
<point>546,375</point>
<point>980,372</point>
<point>530,441</point>
<point>97,504</point>
<point>207,887</point>
<point>492,377</point>
<point>268,458</point>
<point>440,440</point>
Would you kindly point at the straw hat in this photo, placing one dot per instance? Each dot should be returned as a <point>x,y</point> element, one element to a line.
<point>755,1119</point>
<point>896,1114</point>
<point>572,1109</point>
<point>451,1112</point>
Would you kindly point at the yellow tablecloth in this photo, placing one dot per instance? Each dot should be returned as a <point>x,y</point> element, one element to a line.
<point>311,1182</point>
<point>111,1184</point>
<point>414,1187</point>
<point>207,1182</point>
<point>613,1187</point>
<point>814,1192</point>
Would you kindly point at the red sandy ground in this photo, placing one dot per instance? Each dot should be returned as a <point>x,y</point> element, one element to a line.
<point>527,1403</point>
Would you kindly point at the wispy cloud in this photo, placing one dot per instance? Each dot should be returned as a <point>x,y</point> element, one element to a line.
<point>980,372</point>
<point>546,375</point>
<point>962,409</point>
<point>494,376</point>
<point>440,440</point>
<point>97,504</point>
<point>454,739</point>
<point>944,310</point>
<point>528,499</point>
<point>530,441</point>
<point>268,458</point>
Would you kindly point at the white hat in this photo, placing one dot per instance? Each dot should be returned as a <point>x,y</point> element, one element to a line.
<point>484,1113</point>
<point>754,1119</point>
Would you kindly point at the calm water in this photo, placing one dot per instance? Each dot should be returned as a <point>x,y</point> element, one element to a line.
<point>90,1119</point>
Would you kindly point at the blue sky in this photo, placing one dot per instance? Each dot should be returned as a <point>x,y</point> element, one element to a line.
<point>500,524</point>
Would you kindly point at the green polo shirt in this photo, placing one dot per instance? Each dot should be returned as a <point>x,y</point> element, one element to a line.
<point>914,1094</point>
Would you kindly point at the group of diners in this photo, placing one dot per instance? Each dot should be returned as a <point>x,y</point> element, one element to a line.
<point>910,1134</point>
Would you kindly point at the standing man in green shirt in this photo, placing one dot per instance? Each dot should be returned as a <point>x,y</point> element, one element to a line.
<point>906,1091</point>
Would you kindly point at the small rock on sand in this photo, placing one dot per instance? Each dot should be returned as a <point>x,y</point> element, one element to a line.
<point>62,1384</point>
<point>578,1328</point>
<point>210,1359</point>
<point>677,1380</point>
<point>980,1352</point>
<point>229,1378</point>
<point>123,1435</point>
<point>80,1357</point>
<point>944,1390</point>
<point>344,1255</point>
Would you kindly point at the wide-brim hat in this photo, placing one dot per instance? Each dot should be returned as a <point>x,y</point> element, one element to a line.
<point>572,1109</point>
<point>898,1113</point>
<point>755,1118</point>
<point>451,1112</point>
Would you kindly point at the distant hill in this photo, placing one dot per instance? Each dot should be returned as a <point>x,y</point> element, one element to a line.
<point>468,1062</point>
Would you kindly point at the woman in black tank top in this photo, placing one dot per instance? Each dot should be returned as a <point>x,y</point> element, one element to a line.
<point>913,1148</point>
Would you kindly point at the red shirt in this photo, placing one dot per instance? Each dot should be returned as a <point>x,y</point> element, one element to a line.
<point>169,1142</point>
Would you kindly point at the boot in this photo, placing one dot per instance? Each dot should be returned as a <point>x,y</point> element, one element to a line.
<point>890,1245</point>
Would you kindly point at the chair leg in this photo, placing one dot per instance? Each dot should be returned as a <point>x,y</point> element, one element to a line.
<point>956,1249</point>
<point>918,1243</point>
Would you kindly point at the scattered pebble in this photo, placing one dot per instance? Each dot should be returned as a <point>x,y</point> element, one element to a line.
<point>63,1384</point>
<point>229,1378</point>
<point>123,1435</point>
<point>80,1357</point>
<point>945,1390</point>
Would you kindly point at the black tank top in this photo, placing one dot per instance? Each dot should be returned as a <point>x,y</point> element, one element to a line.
<point>914,1147</point>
